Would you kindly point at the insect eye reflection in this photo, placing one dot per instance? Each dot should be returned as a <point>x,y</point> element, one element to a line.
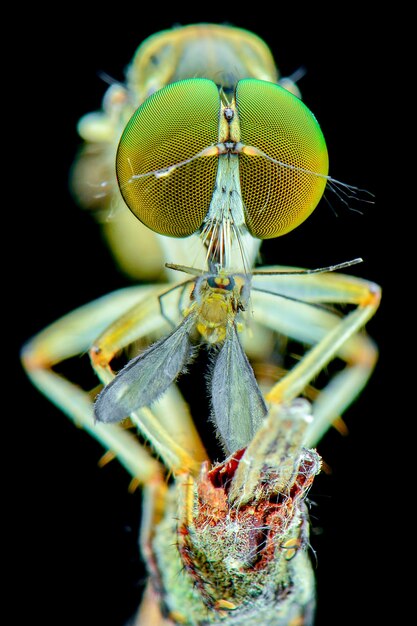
<point>177,147</point>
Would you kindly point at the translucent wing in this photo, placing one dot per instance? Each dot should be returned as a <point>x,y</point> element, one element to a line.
<point>238,405</point>
<point>146,377</point>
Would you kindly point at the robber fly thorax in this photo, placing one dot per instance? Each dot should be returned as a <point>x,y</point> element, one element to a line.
<point>218,298</point>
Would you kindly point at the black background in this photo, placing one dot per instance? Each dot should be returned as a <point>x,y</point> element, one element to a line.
<point>76,524</point>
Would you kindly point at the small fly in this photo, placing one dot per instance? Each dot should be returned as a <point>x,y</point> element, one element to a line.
<point>216,303</point>
<point>217,300</point>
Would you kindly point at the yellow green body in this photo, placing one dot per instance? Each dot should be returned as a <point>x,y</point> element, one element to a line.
<point>225,544</point>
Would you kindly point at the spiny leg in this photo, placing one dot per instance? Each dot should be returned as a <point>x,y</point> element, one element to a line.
<point>296,314</point>
<point>172,432</point>
<point>72,335</point>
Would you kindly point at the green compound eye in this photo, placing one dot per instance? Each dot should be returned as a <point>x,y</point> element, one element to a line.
<point>168,183</point>
<point>170,127</point>
<point>277,198</point>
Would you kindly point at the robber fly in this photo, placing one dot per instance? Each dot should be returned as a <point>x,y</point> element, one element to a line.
<point>213,154</point>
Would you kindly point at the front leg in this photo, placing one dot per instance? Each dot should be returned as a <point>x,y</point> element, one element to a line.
<point>292,309</point>
<point>72,336</point>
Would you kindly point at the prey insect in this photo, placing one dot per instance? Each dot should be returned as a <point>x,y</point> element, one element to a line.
<point>226,543</point>
<point>215,303</point>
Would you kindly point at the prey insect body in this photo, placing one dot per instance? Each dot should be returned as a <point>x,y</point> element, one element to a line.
<point>216,301</point>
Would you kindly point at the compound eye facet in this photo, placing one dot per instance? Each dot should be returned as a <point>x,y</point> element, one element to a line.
<point>277,197</point>
<point>169,129</point>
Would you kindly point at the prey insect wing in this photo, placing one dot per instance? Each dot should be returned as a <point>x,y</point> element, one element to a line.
<point>146,377</point>
<point>237,402</point>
